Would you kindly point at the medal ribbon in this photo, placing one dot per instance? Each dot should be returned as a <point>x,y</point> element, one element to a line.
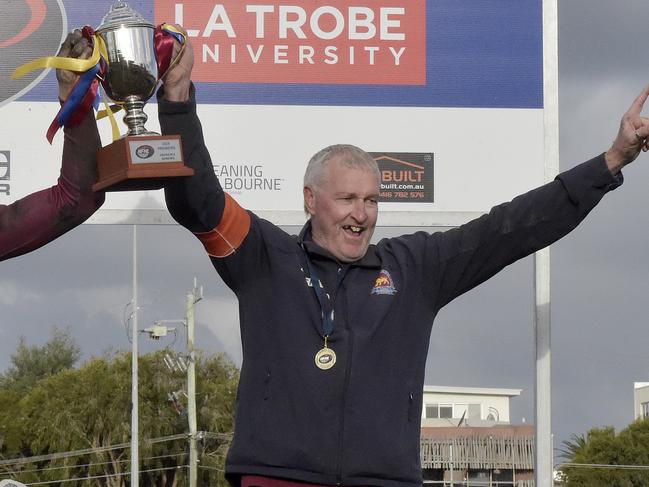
<point>85,93</point>
<point>324,299</point>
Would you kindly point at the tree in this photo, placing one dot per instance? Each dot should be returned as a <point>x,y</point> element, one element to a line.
<point>89,408</point>
<point>28,366</point>
<point>31,364</point>
<point>575,446</point>
<point>604,450</point>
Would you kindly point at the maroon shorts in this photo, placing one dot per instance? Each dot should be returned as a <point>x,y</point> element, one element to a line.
<point>259,481</point>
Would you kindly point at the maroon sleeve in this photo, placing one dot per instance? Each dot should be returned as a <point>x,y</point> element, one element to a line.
<point>36,219</point>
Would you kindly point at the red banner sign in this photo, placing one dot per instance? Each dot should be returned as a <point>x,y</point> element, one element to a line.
<point>378,42</point>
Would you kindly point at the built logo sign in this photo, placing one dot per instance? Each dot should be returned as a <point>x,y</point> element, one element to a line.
<point>302,41</point>
<point>405,176</point>
<point>29,29</point>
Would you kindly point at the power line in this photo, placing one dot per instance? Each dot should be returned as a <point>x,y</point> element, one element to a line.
<point>211,468</point>
<point>217,436</point>
<point>94,464</point>
<point>87,451</point>
<point>17,462</point>
<point>56,456</point>
<point>107,475</point>
<point>605,466</point>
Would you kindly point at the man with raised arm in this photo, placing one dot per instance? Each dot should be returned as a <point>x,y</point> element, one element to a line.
<point>36,219</point>
<point>334,329</point>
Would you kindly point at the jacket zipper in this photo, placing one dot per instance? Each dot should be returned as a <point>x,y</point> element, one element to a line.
<point>341,434</point>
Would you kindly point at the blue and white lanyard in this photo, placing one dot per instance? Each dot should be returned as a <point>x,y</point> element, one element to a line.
<point>324,299</point>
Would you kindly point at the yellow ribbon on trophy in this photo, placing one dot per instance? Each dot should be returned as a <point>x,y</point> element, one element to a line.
<point>76,65</point>
<point>164,50</point>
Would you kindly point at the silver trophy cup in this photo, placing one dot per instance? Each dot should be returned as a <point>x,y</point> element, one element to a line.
<point>132,71</point>
<point>140,160</point>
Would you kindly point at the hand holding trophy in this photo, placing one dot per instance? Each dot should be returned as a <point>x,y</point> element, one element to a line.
<point>129,56</point>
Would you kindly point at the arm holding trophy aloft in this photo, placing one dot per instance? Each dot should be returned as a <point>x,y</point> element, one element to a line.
<point>39,218</point>
<point>196,202</point>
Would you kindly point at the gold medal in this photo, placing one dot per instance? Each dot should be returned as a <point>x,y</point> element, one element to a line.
<point>326,357</point>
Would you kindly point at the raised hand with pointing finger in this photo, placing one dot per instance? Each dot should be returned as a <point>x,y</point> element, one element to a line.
<point>632,137</point>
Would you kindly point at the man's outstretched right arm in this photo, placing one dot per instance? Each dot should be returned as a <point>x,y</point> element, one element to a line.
<point>197,202</point>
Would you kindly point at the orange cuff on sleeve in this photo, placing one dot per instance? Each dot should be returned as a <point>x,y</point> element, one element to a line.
<point>228,236</point>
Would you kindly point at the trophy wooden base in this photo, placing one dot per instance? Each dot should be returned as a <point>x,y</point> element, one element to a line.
<point>140,162</point>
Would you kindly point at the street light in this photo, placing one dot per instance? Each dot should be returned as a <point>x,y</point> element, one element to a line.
<point>158,331</point>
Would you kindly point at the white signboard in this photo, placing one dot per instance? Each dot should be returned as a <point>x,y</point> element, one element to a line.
<point>448,101</point>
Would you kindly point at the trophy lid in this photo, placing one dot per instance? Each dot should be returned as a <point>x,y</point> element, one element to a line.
<point>121,15</point>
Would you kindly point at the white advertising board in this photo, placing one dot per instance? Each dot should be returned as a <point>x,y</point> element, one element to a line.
<point>448,100</point>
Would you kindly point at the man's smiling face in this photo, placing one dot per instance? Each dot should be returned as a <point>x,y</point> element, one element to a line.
<point>343,208</point>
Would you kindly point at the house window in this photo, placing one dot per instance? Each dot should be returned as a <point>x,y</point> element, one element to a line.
<point>503,478</point>
<point>448,411</point>
<point>445,411</point>
<point>460,410</point>
<point>475,411</point>
<point>479,478</point>
<point>432,411</point>
<point>645,409</point>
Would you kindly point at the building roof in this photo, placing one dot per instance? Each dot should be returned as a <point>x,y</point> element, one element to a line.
<point>483,391</point>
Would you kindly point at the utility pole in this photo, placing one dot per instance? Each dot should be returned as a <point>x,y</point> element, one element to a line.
<point>160,330</point>
<point>135,460</point>
<point>451,460</point>
<point>192,298</point>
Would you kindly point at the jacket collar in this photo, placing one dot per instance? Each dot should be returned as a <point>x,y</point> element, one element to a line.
<point>370,259</point>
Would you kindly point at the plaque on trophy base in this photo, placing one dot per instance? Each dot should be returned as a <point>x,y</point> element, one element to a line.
<point>140,162</point>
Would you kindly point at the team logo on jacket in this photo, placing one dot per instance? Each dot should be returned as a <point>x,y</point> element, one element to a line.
<point>384,284</point>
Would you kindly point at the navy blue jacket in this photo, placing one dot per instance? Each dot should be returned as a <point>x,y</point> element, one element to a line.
<point>359,422</point>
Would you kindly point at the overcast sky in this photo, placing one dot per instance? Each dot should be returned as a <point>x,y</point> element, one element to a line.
<point>483,339</point>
